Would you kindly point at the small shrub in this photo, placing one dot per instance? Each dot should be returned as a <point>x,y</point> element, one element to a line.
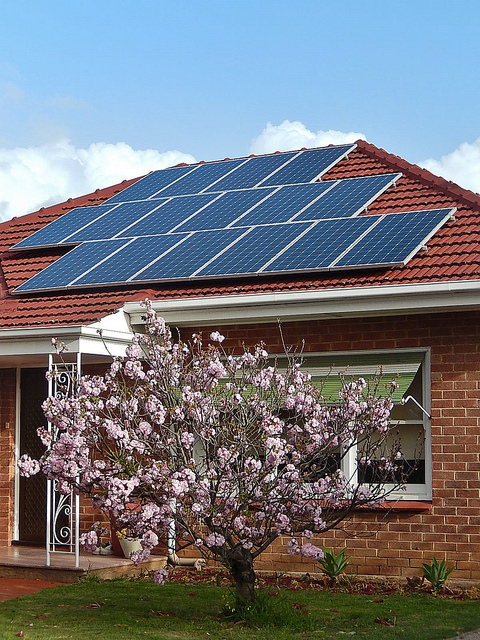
<point>333,565</point>
<point>436,573</point>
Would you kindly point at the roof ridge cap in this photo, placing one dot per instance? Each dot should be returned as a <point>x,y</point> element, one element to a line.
<point>447,186</point>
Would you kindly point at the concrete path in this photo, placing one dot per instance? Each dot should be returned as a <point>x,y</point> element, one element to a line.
<point>15,587</point>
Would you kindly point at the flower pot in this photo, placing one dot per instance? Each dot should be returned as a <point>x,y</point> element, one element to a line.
<point>130,546</point>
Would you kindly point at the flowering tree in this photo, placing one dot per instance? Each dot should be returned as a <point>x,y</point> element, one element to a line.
<point>232,451</point>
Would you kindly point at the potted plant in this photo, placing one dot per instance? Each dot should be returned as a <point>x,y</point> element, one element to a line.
<point>129,545</point>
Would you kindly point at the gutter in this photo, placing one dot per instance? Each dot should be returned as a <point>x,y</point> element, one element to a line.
<point>384,300</point>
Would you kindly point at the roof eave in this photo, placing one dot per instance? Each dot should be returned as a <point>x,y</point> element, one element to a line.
<point>37,341</point>
<point>389,300</point>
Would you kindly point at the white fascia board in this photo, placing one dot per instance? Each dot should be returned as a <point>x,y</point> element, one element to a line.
<point>384,300</point>
<point>83,339</point>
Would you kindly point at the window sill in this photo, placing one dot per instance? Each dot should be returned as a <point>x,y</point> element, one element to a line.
<point>401,506</point>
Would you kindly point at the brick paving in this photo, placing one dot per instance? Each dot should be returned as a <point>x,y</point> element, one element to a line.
<point>16,587</point>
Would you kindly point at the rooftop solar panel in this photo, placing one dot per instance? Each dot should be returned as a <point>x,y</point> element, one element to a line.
<point>62,227</point>
<point>324,242</point>
<point>348,197</point>
<point>308,165</point>
<point>289,247</point>
<point>246,221</point>
<point>68,267</point>
<point>151,184</point>
<point>223,211</point>
<point>198,180</point>
<point>114,221</point>
<point>189,256</point>
<point>285,203</point>
<point>252,172</point>
<point>395,238</point>
<point>131,258</point>
<point>253,250</point>
<point>172,213</point>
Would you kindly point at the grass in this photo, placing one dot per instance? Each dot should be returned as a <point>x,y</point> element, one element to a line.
<point>139,609</point>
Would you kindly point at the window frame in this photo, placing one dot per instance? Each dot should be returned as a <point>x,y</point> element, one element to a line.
<point>411,492</point>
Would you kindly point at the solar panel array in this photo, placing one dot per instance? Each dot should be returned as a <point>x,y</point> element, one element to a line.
<point>260,215</point>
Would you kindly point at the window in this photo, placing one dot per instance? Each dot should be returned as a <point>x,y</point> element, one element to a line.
<point>411,371</point>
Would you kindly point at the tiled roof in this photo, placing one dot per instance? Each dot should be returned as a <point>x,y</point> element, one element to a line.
<point>453,253</point>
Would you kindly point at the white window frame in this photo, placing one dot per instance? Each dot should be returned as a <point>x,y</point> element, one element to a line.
<point>411,492</point>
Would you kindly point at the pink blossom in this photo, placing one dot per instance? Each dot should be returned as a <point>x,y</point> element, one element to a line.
<point>28,467</point>
<point>215,540</point>
<point>89,541</point>
<point>187,439</point>
<point>309,550</point>
<point>160,577</point>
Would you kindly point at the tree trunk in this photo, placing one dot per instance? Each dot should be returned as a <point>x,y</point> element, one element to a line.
<point>240,562</point>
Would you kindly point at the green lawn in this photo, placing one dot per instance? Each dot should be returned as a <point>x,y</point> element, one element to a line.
<point>133,610</point>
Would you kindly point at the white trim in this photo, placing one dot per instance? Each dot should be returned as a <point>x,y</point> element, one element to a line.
<point>93,341</point>
<point>48,501</point>
<point>76,499</point>
<point>323,303</point>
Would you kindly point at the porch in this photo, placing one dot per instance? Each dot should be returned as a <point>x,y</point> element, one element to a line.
<point>30,562</point>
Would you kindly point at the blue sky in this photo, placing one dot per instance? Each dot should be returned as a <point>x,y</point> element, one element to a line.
<point>203,78</point>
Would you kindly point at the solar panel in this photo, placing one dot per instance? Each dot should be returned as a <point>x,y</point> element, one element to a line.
<point>348,197</point>
<point>308,165</point>
<point>324,242</point>
<point>225,210</point>
<point>131,258</point>
<point>151,184</point>
<point>190,255</point>
<point>114,221</point>
<point>252,172</point>
<point>255,249</point>
<point>198,180</point>
<point>62,227</point>
<point>395,238</point>
<point>169,215</point>
<point>285,203</point>
<point>68,267</point>
<point>260,216</point>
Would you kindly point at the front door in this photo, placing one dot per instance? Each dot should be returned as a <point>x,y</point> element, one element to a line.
<point>32,503</point>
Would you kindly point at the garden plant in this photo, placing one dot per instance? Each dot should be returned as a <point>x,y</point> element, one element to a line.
<point>333,565</point>
<point>436,573</point>
<point>226,450</point>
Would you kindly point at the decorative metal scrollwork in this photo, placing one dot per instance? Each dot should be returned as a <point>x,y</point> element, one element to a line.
<point>62,513</point>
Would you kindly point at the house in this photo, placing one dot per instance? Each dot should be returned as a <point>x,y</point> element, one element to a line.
<point>364,280</point>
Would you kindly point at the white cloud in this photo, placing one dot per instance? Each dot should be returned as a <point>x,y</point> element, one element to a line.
<point>461,166</point>
<point>295,135</point>
<point>36,177</point>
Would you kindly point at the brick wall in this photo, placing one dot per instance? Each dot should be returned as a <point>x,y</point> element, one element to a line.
<point>7,453</point>
<point>396,544</point>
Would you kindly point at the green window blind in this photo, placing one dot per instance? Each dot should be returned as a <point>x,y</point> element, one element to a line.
<point>325,369</point>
